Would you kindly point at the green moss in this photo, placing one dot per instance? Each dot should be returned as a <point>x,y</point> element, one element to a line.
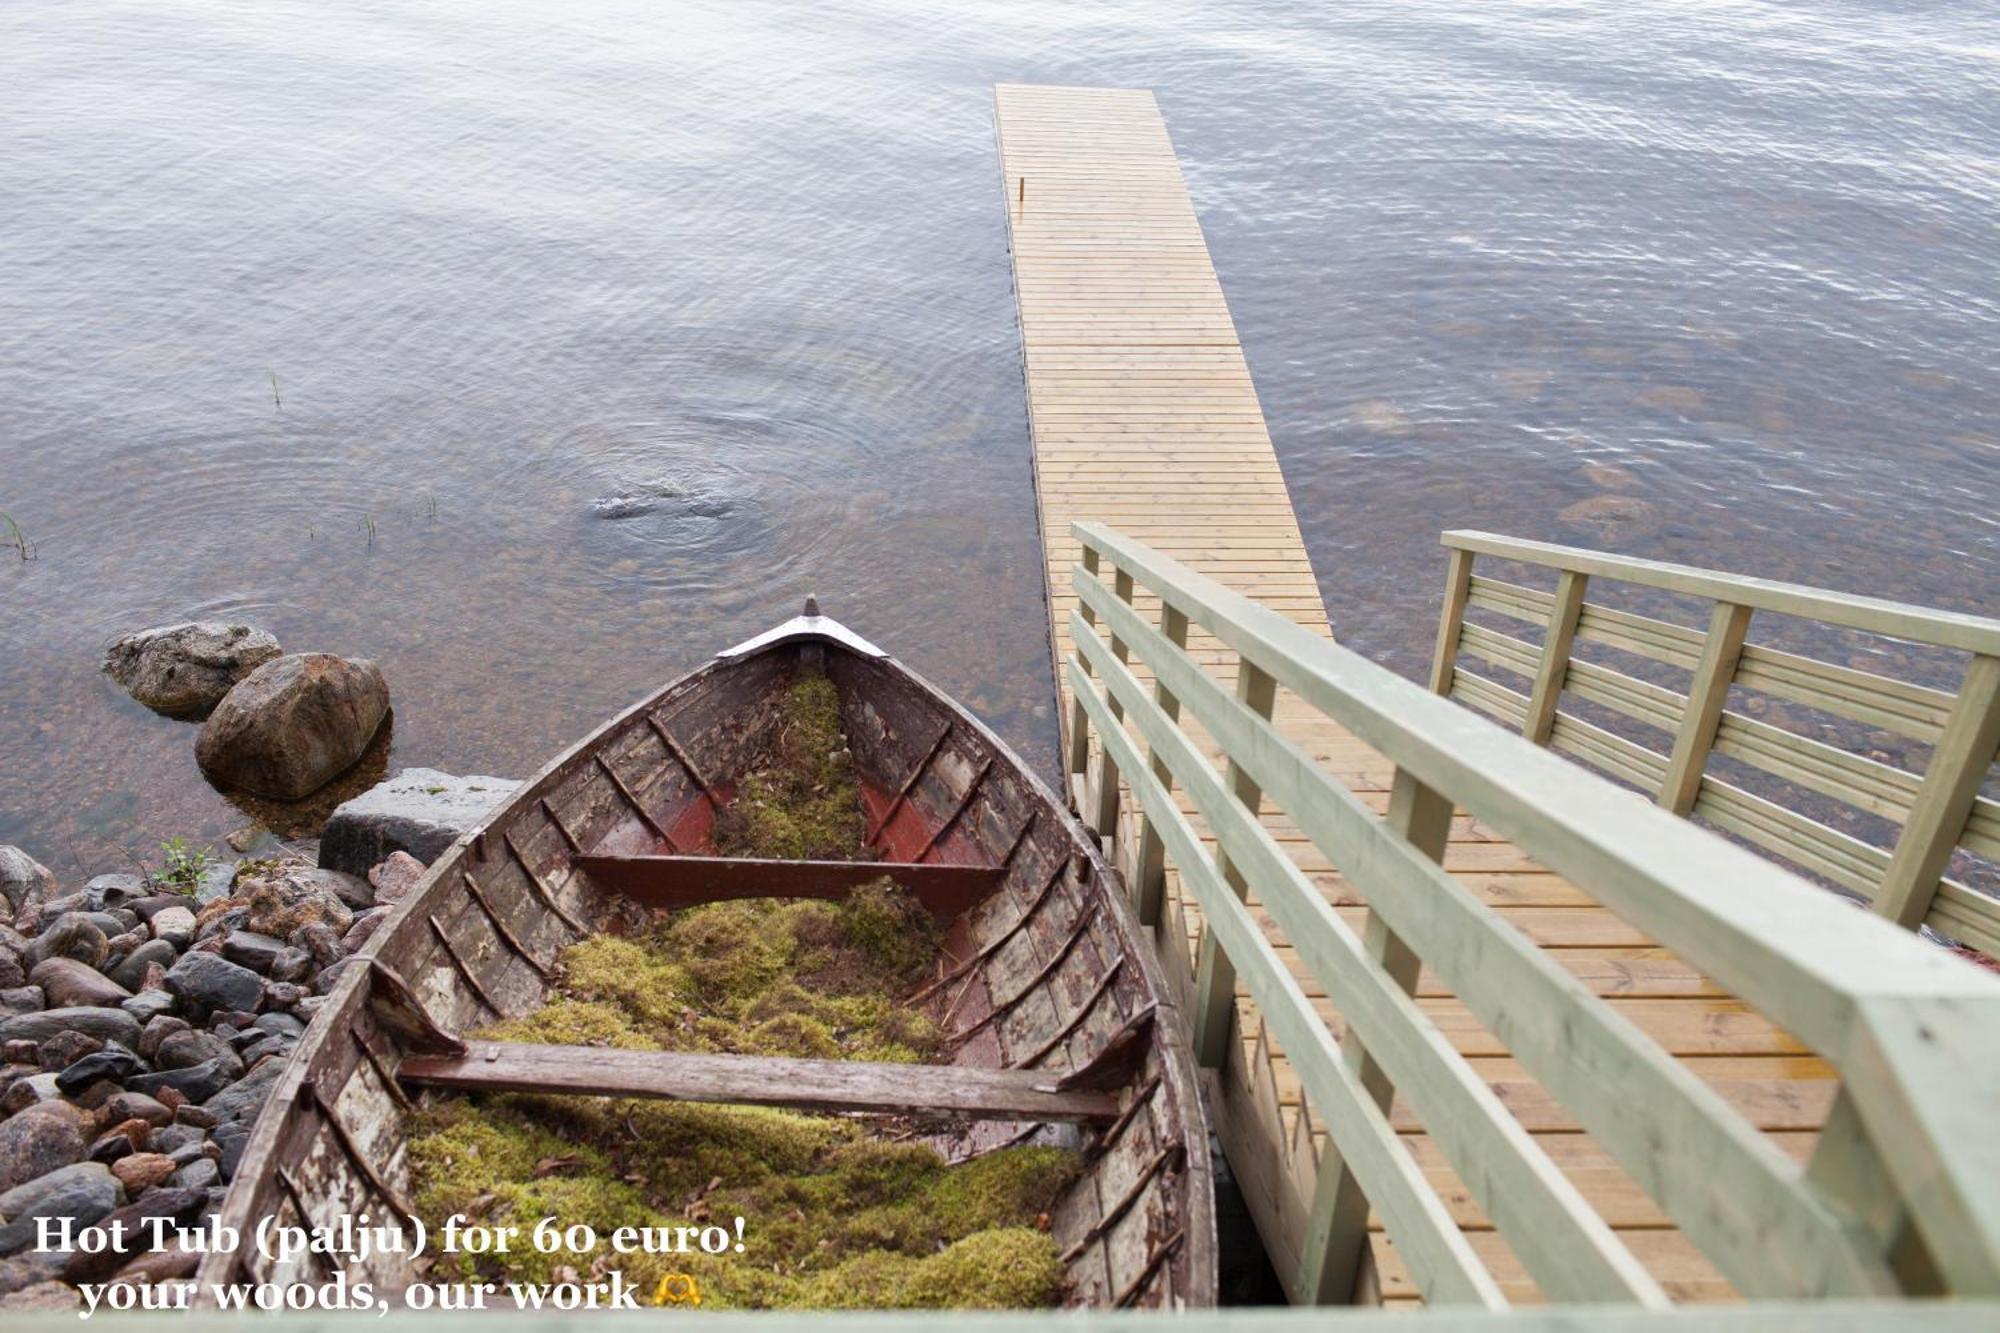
<point>802,802</point>
<point>834,1215</point>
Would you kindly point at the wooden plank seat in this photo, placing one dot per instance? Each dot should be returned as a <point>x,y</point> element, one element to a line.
<point>685,881</point>
<point>803,1085</point>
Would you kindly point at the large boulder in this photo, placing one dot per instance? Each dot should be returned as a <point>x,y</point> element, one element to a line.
<point>184,670</point>
<point>24,881</point>
<point>420,811</point>
<point>292,724</point>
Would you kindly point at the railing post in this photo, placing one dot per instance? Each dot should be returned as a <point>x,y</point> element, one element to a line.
<point>1149,883</point>
<point>1102,816</point>
<point>1958,765</point>
<point>1457,591</point>
<point>1105,817</point>
<point>1707,693</point>
<point>1556,647</point>
<point>1336,1234</point>
<point>1847,1169</point>
<point>1079,721</point>
<point>1215,975</point>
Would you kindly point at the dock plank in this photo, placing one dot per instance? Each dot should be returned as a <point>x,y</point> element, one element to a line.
<point>1144,415</point>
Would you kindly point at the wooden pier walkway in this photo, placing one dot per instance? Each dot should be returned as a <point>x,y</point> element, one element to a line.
<point>1144,417</point>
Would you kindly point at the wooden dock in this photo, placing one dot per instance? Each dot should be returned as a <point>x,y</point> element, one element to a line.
<point>1144,417</point>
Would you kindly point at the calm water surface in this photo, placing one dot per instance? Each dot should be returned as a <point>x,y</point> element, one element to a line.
<point>537,351</point>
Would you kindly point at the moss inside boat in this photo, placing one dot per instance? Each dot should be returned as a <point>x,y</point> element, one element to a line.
<point>838,1212</point>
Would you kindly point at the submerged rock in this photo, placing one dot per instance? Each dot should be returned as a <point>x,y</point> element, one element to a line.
<point>293,724</point>
<point>184,670</point>
<point>419,811</point>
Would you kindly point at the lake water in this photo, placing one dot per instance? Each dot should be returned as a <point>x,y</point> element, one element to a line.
<point>538,351</point>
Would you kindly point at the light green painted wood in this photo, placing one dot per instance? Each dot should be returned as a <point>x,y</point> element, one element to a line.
<point>1457,590</point>
<point>1149,886</point>
<point>1731,1190</point>
<point>1553,666</point>
<point>1507,599</point>
<point>1924,1075</point>
<point>1948,629</point>
<point>1441,1261</point>
<point>1215,975</point>
<point>1661,640</point>
<point>1727,626</point>
<point>1865,783</point>
<point>1959,764</point>
<point>1915,711</point>
<point>1640,700</point>
<point>1502,650</point>
<point>1329,1271</point>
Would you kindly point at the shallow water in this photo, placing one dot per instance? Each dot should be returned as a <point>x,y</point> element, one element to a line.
<point>538,352</point>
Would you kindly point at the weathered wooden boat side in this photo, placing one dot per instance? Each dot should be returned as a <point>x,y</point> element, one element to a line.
<point>1046,973</point>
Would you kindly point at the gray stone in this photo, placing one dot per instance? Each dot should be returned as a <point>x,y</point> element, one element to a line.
<point>85,1193</point>
<point>135,1106</point>
<point>65,982</point>
<point>184,670</point>
<point>66,1048</point>
<point>280,1025</point>
<point>21,1000</point>
<point>21,1198</point>
<point>197,1083</point>
<point>197,1175</point>
<point>186,1049</point>
<point>38,1140</point>
<point>114,1062</point>
<point>251,950</point>
<point>175,925</point>
<point>279,1046</point>
<point>31,1090</point>
<point>153,904</point>
<point>103,1024</point>
<point>420,811</point>
<point>131,971</point>
<point>157,1031</point>
<point>216,882</point>
<point>292,724</point>
<point>207,981</point>
<point>71,935</point>
<point>117,890</point>
<point>243,1099</point>
<point>172,1138</point>
<point>321,942</point>
<point>24,881</point>
<point>232,1138</point>
<point>364,927</point>
<point>130,1221</point>
<point>293,964</point>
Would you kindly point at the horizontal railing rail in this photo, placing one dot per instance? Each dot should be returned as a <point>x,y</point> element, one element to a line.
<point>1934,813</point>
<point>1900,1196</point>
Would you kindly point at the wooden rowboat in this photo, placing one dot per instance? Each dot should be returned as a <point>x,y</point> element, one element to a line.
<point>1058,1011</point>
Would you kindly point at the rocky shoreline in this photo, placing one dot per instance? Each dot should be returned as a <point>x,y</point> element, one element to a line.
<point>144,1020</point>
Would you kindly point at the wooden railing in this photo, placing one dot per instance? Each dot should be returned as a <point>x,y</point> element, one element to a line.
<point>1934,812</point>
<point>1902,1194</point>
